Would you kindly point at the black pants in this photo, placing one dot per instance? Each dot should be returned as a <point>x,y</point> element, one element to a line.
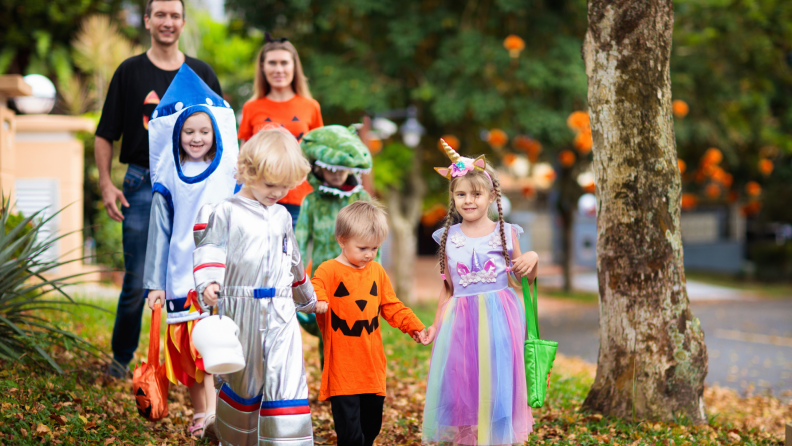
<point>358,418</point>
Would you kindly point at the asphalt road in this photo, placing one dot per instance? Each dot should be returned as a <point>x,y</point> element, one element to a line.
<point>749,342</point>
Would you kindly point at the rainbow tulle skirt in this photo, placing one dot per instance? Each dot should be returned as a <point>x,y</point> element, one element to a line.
<point>476,391</point>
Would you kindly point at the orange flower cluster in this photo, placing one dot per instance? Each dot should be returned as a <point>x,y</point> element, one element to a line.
<point>712,191</point>
<point>530,146</point>
<point>528,191</point>
<point>765,166</point>
<point>451,140</point>
<point>497,138</point>
<point>374,146</point>
<point>509,159</point>
<point>710,170</point>
<point>753,188</point>
<point>689,201</point>
<point>579,123</point>
<point>682,166</point>
<point>514,45</point>
<point>680,108</point>
<point>566,158</point>
<point>751,208</point>
<point>434,214</point>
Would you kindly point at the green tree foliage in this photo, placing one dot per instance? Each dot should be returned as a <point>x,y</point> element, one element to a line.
<point>229,49</point>
<point>34,34</point>
<point>445,57</point>
<point>731,64</point>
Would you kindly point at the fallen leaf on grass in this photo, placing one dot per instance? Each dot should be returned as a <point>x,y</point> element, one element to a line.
<point>84,420</point>
<point>90,425</point>
<point>42,430</point>
<point>109,440</point>
<point>60,419</point>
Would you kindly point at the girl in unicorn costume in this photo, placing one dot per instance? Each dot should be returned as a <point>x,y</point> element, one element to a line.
<point>476,392</point>
<point>193,155</point>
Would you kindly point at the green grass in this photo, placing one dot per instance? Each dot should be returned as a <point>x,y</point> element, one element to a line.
<point>80,407</point>
<point>576,296</point>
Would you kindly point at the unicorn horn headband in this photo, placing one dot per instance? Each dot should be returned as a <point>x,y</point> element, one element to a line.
<point>461,165</point>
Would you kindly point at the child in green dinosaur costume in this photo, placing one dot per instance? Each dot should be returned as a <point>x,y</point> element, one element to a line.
<point>338,158</point>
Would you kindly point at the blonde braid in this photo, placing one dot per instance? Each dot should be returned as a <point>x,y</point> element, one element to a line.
<point>442,251</point>
<point>502,224</point>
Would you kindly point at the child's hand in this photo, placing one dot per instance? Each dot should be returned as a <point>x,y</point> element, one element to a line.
<point>210,295</point>
<point>526,265</point>
<point>321,307</point>
<point>154,296</point>
<point>419,336</point>
<point>431,333</point>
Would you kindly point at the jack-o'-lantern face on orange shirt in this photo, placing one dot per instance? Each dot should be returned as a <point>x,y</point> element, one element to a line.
<point>354,310</point>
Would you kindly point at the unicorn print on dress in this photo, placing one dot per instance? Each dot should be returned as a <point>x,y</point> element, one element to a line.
<point>477,274</point>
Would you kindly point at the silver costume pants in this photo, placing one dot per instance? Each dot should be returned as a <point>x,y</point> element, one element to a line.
<point>266,403</point>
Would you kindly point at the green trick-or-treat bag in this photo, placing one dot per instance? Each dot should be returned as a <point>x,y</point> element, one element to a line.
<point>539,353</point>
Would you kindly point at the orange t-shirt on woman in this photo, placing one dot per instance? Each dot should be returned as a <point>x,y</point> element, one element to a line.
<point>298,115</point>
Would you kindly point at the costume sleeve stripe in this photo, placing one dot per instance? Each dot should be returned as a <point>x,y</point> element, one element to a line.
<point>199,227</point>
<point>209,265</point>
<point>285,411</point>
<point>300,282</point>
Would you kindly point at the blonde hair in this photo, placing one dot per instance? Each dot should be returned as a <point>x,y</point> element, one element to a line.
<point>479,181</point>
<point>299,83</point>
<point>364,220</point>
<point>272,155</point>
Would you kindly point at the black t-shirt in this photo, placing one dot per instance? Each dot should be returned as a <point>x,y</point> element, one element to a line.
<point>134,93</point>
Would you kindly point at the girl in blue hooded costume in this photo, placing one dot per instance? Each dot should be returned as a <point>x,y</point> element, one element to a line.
<point>193,154</point>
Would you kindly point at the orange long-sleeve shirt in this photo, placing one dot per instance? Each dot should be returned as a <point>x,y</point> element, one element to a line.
<point>354,356</point>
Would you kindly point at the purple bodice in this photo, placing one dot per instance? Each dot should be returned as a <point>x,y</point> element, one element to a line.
<point>476,264</point>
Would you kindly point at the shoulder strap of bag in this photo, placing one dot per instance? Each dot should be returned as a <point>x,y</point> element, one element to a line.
<point>531,313</point>
<point>154,336</point>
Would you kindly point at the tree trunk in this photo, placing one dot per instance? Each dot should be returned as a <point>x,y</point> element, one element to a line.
<point>404,212</point>
<point>652,358</point>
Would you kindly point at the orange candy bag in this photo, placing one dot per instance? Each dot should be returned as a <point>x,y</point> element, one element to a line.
<point>150,381</point>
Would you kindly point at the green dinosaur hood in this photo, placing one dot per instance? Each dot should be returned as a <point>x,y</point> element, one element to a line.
<point>336,147</point>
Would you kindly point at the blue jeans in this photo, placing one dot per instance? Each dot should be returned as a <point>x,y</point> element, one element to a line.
<point>126,331</point>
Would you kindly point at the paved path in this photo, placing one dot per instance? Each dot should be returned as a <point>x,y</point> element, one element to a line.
<point>697,291</point>
<point>749,342</point>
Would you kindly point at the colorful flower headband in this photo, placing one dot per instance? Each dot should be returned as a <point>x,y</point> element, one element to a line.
<point>461,165</point>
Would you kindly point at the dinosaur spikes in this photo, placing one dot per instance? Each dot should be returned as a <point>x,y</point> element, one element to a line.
<point>452,154</point>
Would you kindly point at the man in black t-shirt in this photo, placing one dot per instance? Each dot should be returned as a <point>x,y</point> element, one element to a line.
<point>136,88</point>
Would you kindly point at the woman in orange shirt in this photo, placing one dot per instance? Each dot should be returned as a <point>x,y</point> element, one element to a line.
<point>281,97</point>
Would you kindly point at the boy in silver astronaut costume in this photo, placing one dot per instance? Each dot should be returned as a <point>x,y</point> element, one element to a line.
<point>249,250</point>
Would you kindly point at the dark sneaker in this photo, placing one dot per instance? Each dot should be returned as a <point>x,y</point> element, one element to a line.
<point>116,370</point>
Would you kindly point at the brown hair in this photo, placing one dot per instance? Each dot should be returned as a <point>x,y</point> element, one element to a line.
<point>208,156</point>
<point>299,83</point>
<point>480,182</point>
<point>365,220</point>
<point>148,7</point>
<point>273,155</point>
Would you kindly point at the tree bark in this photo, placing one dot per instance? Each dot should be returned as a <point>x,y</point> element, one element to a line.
<point>652,358</point>
<point>404,212</point>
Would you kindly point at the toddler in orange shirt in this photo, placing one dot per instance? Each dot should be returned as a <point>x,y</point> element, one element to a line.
<point>357,291</point>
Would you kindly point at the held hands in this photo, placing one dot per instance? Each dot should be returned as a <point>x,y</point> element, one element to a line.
<point>210,295</point>
<point>420,336</point>
<point>321,307</point>
<point>425,336</point>
<point>154,296</point>
<point>526,265</point>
